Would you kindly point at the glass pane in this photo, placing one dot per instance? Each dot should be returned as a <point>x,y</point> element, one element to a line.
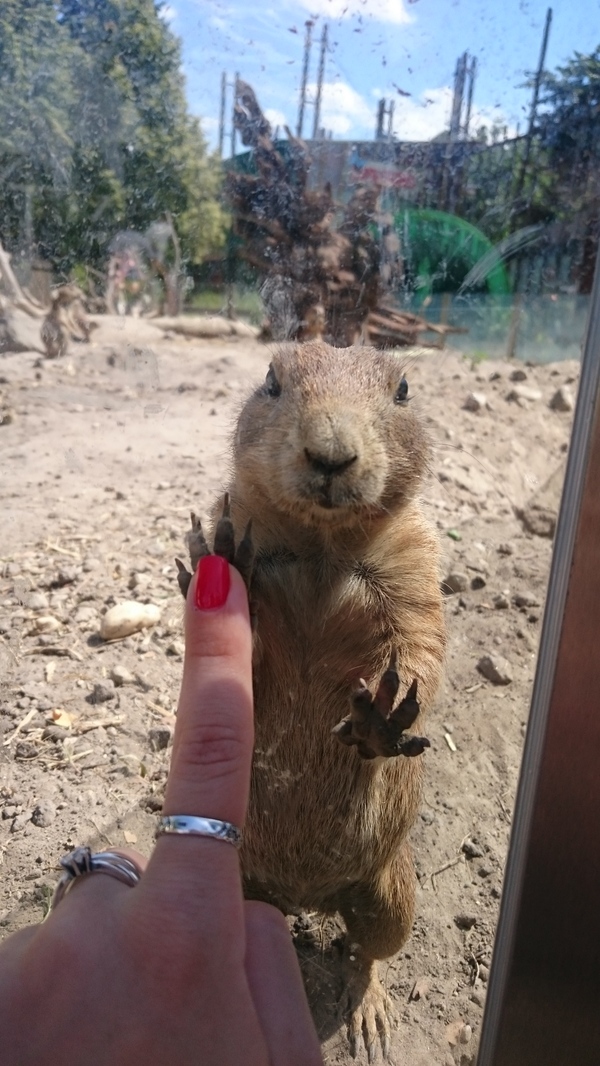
<point>182,187</point>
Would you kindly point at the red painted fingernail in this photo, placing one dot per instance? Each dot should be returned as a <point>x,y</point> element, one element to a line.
<point>212,586</point>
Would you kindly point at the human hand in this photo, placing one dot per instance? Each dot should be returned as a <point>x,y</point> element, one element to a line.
<point>180,969</point>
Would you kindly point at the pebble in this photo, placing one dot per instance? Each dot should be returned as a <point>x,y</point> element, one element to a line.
<point>478,582</point>
<point>128,617</point>
<point>478,998</point>
<point>139,580</point>
<point>55,733</point>
<point>67,575</point>
<point>45,623</point>
<point>102,692</point>
<point>36,601</point>
<point>495,668</point>
<point>506,548</point>
<point>526,599</point>
<point>465,1034</point>
<point>160,737</point>
<point>120,675</point>
<point>85,614</point>
<point>44,814</point>
<point>485,871</point>
<point>523,394</point>
<point>472,850</point>
<point>484,973</point>
<point>563,400</point>
<point>501,602</point>
<point>176,647</point>
<point>9,812</point>
<point>475,402</point>
<point>518,375</point>
<point>21,821</point>
<point>455,582</point>
<point>465,921</point>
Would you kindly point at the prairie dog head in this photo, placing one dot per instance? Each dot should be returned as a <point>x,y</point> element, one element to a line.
<point>331,437</point>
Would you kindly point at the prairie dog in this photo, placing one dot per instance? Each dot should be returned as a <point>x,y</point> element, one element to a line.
<point>56,325</point>
<point>329,459</point>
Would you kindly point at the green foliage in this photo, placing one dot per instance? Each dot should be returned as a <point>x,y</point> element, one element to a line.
<point>94,132</point>
<point>568,131</point>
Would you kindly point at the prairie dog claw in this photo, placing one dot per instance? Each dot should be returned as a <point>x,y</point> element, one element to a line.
<point>376,729</point>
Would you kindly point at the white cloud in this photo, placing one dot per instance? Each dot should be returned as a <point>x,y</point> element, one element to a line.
<point>168,12</point>
<point>276,118</point>
<point>424,117</point>
<point>343,110</point>
<point>378,10</point>
<point>209,126</point>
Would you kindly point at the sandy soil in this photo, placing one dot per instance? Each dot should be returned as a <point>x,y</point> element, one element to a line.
<point>102,456</point>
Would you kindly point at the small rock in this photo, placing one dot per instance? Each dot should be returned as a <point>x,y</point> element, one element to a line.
<point>176,647</point>
<point>478,998</point>
<point>501,602</point>
<point>454,1032</point>
<point>506,548</point>
<point>455,582</point>
<point>159,737</point>
<point>526,599</point>
<point>518,375</point>
<point>85,614</point>
<point>9,812</point>
<point>24,749</point>
<point>484,973</point>
<point>36,601</point>
<point>21,821</point>
<point>465,1034</point>
<point>128,617</point>
<point>55,733</point>
<point>120,675</point>
<point>139,581</point>
<point>465,921</point>
<point>478,582</point>
<point>523,394</point>
<point>102,692</point>
<point>45,623</point>
<point>67,575</point>
<point>471,849</point>
<point>475,402</point>
<point>420,989</point>
<point>563,400</point>
<point>485,871</point>
<point>44,814</point>
<point>495,668</point>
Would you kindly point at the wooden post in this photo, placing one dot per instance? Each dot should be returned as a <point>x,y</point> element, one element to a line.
<point>515,321</point>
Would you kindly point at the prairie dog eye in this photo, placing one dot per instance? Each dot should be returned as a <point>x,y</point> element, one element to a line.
<point>401,392</point>
<point>271,383</point>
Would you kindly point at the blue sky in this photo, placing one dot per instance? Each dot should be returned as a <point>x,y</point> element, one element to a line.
<point>377,47</point>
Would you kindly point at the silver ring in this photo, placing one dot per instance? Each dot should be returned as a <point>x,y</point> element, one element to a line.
<point>188,825</point>
<point>81,861</point>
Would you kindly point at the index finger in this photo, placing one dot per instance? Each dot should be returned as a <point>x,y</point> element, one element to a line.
<point>212,750</point>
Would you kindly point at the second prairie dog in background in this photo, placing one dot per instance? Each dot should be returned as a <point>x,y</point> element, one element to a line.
<point>65,318</point>
<point>329,459</point>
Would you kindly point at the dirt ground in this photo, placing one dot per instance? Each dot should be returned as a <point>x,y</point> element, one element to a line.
<point>103,454</point>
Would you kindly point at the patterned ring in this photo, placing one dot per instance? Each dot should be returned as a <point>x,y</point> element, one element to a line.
<point>188,825</point>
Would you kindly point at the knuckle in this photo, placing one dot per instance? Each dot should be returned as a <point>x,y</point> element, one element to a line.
<point>215,747</point>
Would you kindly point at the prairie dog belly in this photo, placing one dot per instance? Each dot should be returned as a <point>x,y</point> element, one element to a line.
<point>319,815</point>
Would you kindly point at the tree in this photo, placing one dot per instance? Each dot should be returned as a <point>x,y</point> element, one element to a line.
<point>96,126</point>
<point>568,133</point>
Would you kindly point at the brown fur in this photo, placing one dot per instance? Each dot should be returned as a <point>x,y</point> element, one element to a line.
<point>55,327</point>
<point>346,571</point>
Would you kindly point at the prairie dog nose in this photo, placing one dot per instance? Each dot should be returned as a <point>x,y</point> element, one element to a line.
<point>330,465</point>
